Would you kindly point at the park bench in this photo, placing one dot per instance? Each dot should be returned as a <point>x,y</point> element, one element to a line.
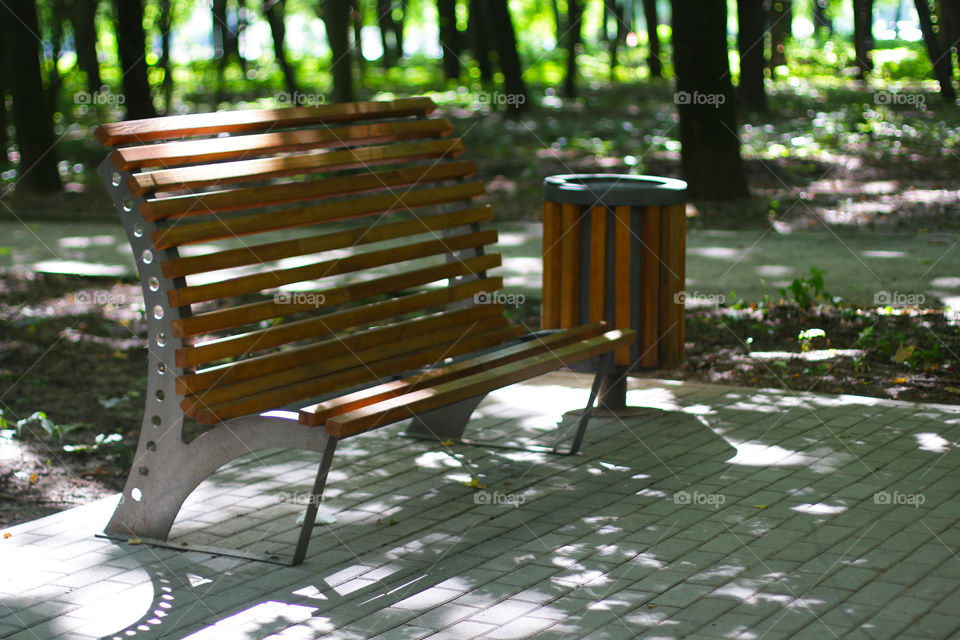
<point>311,274</point>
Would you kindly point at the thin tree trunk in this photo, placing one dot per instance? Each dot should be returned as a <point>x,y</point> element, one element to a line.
<point>505,40</point>
<point>336,20</point>
<point>274,10</point>
<point>3,101</point>
<point>942,65</point>
<point>31,115</point>
<point>56,42</point>
<point>356,21</point>
<point>710,157</point>
<point>611,12</point>
<point>820,20</point>
<point>133,60</point>
<point>653,38</point>
<point>387,33</point>
<point>166,26</point>
<point>862,38</point>
<point>574,38</point>
<point>82,15</point>
<point>781,21</point>
<point>449,39</point>
<point>750,39</point>
<point>398,27</point>
<point>479,40</point>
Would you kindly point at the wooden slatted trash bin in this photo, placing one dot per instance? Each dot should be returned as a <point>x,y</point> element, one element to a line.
<point>614,250</point>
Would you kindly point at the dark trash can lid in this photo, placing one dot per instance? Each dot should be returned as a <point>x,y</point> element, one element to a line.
<point>613,190</point>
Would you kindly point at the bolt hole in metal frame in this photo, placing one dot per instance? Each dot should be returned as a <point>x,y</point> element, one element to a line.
<point>150,501</point>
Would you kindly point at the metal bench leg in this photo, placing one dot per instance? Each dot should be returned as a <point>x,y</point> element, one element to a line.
<point>315,497</point>
<point>606,364</point>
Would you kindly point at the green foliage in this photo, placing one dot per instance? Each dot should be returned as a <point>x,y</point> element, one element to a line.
<point>807,291</point>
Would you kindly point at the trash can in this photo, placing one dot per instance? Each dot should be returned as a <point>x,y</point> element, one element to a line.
<point>614,250</point>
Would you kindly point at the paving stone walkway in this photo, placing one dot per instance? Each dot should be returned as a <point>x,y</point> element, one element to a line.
<point>702,512</point>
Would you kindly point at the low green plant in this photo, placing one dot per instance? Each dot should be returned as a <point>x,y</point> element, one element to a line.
<point>809,290</point>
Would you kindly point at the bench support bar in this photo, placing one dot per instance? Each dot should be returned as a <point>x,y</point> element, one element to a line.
<point>315,497</point>
<point>603,371</point>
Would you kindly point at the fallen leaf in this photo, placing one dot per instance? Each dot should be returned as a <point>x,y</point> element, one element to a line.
<point>759,506</point>
<point>7,536</point>
<point>898,380</point>
<point>446,443</point>
<point>475,484</point>
<point>952,390</point>
<point>903,353</point>
<point>134,541</point>
<point>119,355</point>
<point>33,478</point>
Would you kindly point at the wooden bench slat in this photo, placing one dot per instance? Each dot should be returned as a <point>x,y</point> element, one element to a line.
<point>192,152</point>
<point>305,356</point>
<point>327,268</point>
<point>622,300</point>
<point>354,376</point>
<point>315,415</point>
<point>649,320</point>
<point>267,252</point>
<point>598,264</point>
<point>409,404</point>
<point>266,168</point>
<point>552,262</point>
<point>570,265</point>
<point>290,192</point>
<point>225,392</point>
<point>171,127</point>
<point>262,339</point>
<point>219,229</point>
<point>255,312</point>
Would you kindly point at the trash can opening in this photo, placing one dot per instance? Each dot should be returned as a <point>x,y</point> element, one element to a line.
<point>614,189</point>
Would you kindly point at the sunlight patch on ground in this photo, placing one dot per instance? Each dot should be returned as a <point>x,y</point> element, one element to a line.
<point>753,454</point>
<point>819,509</point>
<point>814,355</point>
<point>932,442</point>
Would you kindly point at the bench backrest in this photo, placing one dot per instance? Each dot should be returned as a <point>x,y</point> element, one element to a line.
<point>308,250</point>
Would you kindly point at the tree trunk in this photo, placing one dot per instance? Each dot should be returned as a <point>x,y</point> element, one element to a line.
<point>705,99</point>
<point>942,64</point>
<point>82,15</point>
<point>750,40</point>
<point>398,28</point>
<point>950,27</point>
<point>3,101</point>
<point>387,33</point>
<point>31,115</point>
<point>449,40</point>
<point>505,40</point>
<point>56,45</point>
<point>781,21</point>
<point>653,38</point>
<point>356,21</point>
<point>862,35</point>
<point>336,21</point>
<point>820,20</point>
<point>132,47</point>
<point>611,11</point>
<point>479,40</point>
<point>165,24</point>
<point>574,38</point>
<point>274,12</point>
